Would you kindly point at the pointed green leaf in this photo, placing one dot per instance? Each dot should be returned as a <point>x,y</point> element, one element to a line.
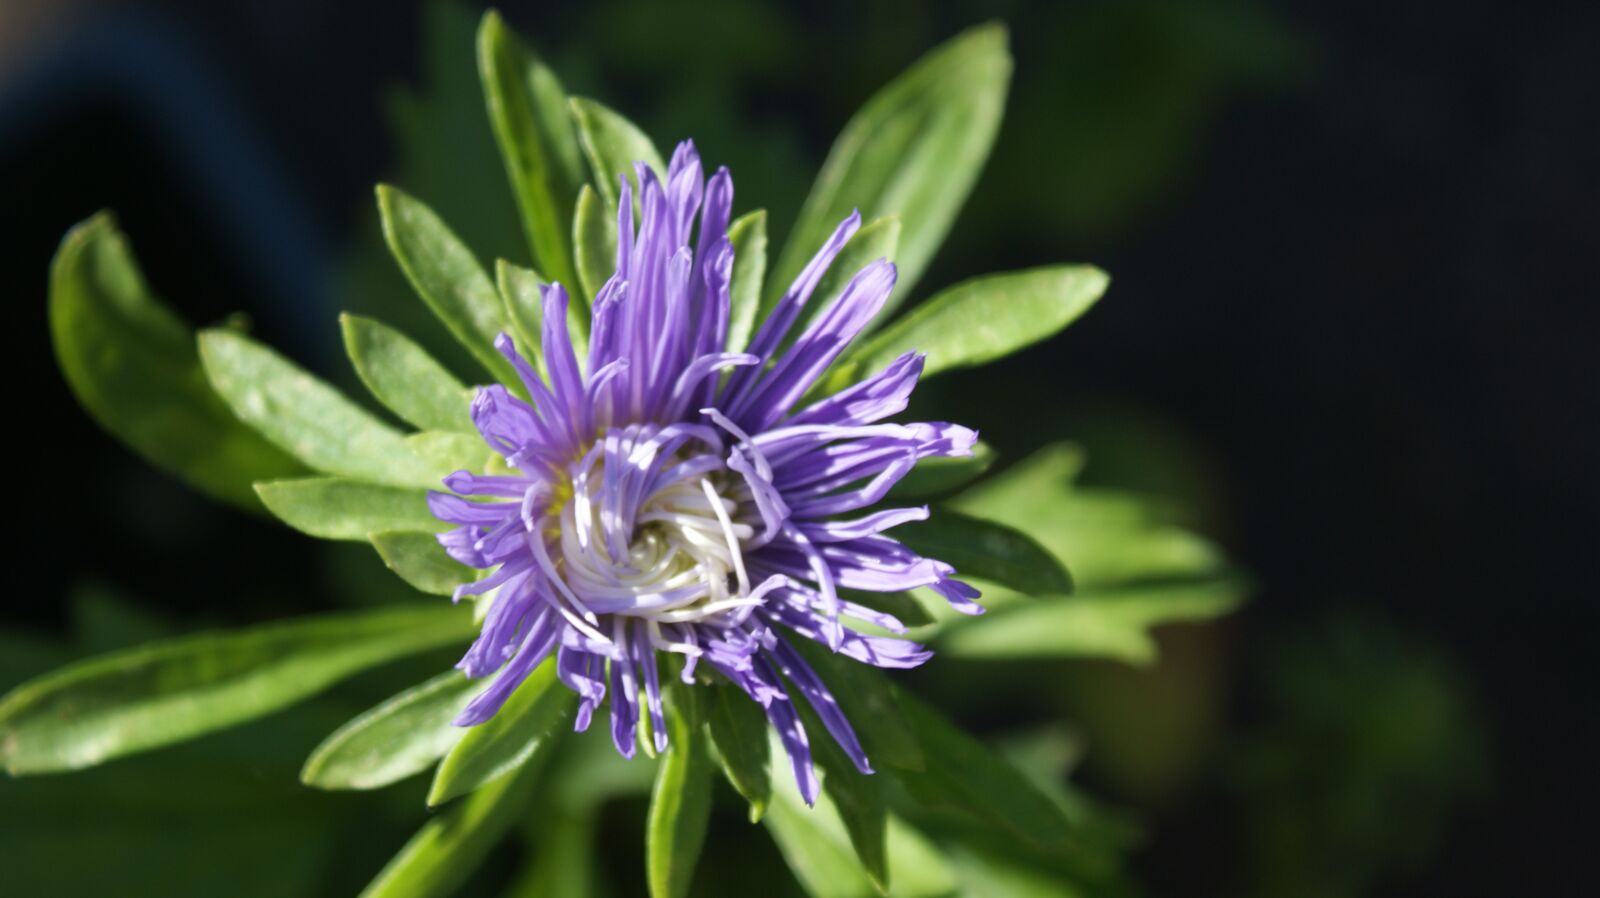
<point>447,451</point>
<point>748,234</point>
<point>914,150</point>
<point>401,737</point>
<point>305,416</point>
<point>335,508</point>
<point>447,277</point>
<point>857,797</point>
<point>404,377</point>
<point>987,550</point>
<point>518,731</point>
<point>132,364</point>
<point>739,732</point>
<point>528,110</point>
<point>419,560</point>
<point>612,144</point>
<point>986,318</point>
<point>940,474</point>
<point>594,241</point>
<point>447,848</point>
<point>680,804</point>
<point>165,692</point>
<point>1103,623</point>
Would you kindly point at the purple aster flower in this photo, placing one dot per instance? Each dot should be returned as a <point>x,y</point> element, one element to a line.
<point>672,496</point>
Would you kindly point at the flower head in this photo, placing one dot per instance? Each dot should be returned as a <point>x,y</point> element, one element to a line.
<point>669,495</point>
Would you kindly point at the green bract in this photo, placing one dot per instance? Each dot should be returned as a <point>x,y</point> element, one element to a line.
<point>239,421</point>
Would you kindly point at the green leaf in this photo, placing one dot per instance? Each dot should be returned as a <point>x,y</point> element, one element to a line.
<point>1110,622</point>
<point>594,241</point>
<point>446,451</point>
<point>334,508</point>
<point>304,416</point>
<point>876,240</point>
<point>913,150</point>
<point>404,377</point>
<point>165,692</point>
<point>401,737</point>
<point>680,804</point>
<point>816,847</point>
<point>987,550</point>
<point>419,560</point>
<point>966,785</point>
<point>857,797</point>
<point>506,741</point>
<point>132,364</point>
<point>447,276</point>
<point>748,234</point>
<point>560,852</point>
<point>933,476</point>
<point>739,732</point>
<point>527,108</point>
<point>447,848</point>
<point>612,144</point>
<point>986,318</point>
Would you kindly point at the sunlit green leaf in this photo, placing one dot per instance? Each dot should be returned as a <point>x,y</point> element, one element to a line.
<point>335,508</point>
<point>165,692</point>
<point>404,377</point>
<point>594,241</point>
<point>403,736</point>
<point>612,144</point>
<point>680,804</point>
<point>528,110</point>
<point>739,731</point>
<point>305,416</point>
<point>447,276</point>
<point>939,474</point>
<point>132,363</point>
<point>983,319</point>
<point>987,550</point>
<point>914,150</point>
<point>418,559</point>
<point>1110,622</point>
<point>748,234</point>
<point>451,845</point>
<point>518,731</point>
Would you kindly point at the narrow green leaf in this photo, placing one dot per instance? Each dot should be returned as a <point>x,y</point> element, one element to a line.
<point>447,848</point>
<point>165,692</point>
<point>560,854</point>
<point>1106,623</point>
<point>968,786</point>
<point>335,508</point>
<point>305,416</point>
<point>933,476</point>
<point>447,451</point>
<point>612,144</point>
<point>914,150</point>
<point>419,560</point>
<point>401,737</point>
<point>986,318</point>
<point>506,741</point>
<point>447,277</point>
<point>857,797</point>
<point>594,241</point>
<point>816,847</point>
<point>407,380</point>
<point>739,732</point>
<point>132,364</point>
<point>987,550</point>
<point>870,702</point>
<point>528,110</point>
<point>748,234</point>
<point>876,240</point>
<point>680,804</point>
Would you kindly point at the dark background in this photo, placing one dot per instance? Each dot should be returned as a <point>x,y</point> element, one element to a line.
<point>1352,247</point>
